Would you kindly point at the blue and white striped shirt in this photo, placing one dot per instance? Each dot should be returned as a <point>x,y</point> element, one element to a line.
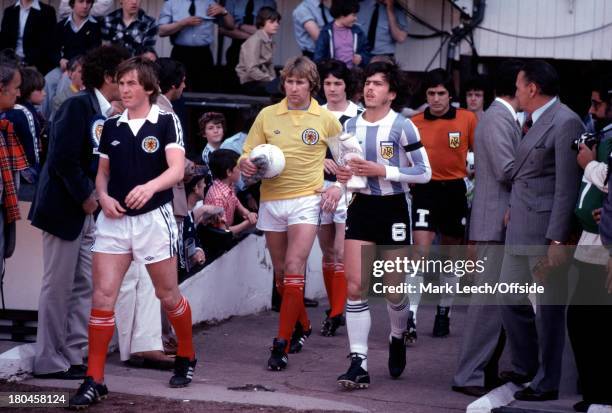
<point>394,142</point>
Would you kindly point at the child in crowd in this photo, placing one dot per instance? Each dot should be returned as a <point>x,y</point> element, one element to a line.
<point>191,251</point>
<point>66,90</point>
<point>29,124</point>
<point>223,165</point>
<point>342,39</point>
<point>255,68</point>
<point>212,128</point>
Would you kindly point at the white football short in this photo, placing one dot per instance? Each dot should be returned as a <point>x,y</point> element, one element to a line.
<point>150,237</point>
<point>277,215</point>
<point>337,217</point>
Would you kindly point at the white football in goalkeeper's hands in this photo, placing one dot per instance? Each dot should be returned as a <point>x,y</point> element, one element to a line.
<point>274,159</point>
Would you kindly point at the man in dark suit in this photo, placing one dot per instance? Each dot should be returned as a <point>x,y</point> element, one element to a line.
<point>545,182</point>
<point>63,208</point>
<point>30,39</point>
<point>495,141</point>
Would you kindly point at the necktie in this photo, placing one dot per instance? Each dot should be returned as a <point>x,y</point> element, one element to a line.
<point>372,27</point>
<point>248,12</point>
<point>527,124</point>
<point>322,7</point>
<point>192,8</point>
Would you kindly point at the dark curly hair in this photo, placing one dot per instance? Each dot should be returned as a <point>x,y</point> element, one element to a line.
<point>394,77</point>
<point>337,69</point>
<point>102,61</point>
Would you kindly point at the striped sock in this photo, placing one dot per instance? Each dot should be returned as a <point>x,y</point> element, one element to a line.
<point>101,328</point>
<point>340,287</point>
<point>180,318</point>
<point>398,316</point>
<point>292,307</point>
<point>358,324</point>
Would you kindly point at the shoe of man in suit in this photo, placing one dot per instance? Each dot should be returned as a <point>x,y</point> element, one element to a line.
<point>531,395</point>
<point>476,391</point>
<point>75,372</point>
<point>513,377</point>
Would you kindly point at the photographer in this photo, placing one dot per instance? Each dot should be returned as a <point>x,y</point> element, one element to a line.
<point>590,306</point>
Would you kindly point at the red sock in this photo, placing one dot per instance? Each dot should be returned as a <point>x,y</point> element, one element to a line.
<point>340,287</point>
<point>101,329</point>
<point>180,318</point>
<point>328,276</point>
<point>303,317</point>
<point>292,306</point>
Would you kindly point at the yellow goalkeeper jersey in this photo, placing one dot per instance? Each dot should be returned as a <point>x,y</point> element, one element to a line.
<point>302,136</point>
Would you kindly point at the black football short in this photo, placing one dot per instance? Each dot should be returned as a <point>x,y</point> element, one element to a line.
<point>383,220</point>
<point>440,206</point>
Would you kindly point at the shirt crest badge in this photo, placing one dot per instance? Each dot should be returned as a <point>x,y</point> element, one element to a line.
<point>150,144</point>
<point>310,136</point>
<point>454,139</point>
<point>97,125</point>
<point>386,150</point>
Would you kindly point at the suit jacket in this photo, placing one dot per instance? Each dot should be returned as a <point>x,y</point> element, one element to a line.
<point>496,138</point>
<point>68,176</point>
<point>545,183</point>
<point>37,35</point>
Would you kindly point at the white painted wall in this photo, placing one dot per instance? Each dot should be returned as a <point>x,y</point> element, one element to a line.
<point>542,18</point>
<point>240,282</point>
<point>237,283</point>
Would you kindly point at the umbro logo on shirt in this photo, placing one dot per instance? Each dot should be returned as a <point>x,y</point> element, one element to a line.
<point>149,258</point>
<point>115,143</point>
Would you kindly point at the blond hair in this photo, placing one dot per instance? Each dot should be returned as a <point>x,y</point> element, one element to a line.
<point>301,66</point>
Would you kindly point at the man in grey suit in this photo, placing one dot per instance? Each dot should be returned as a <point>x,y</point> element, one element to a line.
<point>63,208</point>
<point>545,183</point>
<point>495,141</point>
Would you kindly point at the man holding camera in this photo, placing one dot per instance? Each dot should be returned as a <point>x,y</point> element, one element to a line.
<point>591,304</point>
<point>545,182</point>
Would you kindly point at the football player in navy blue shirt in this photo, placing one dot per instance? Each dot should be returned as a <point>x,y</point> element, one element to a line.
<point>141,158</point>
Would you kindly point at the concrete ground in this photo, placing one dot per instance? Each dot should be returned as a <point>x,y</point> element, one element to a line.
<point>234,354</point>
<point>232,360</point>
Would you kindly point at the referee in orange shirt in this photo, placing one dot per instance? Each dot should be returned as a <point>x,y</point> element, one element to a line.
<point>440,206</point>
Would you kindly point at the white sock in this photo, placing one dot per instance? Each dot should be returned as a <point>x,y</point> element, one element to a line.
<point>446,300</point>
<point>358,323</point>
<point>415,298</point>
<point>398,317</point>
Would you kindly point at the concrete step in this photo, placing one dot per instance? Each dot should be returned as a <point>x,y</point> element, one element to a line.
<point>554,406</point>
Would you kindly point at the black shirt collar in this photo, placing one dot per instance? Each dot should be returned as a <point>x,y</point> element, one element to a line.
<point>450,114</point>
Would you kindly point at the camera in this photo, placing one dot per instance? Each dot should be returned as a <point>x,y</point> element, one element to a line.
<point>589,139</point>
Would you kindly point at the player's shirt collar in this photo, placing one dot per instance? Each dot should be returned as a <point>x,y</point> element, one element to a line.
<point>152,117</point>
<point>313,109</point>
<point>451,114</point>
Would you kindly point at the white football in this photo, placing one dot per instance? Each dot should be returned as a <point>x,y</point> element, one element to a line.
<point>275,159</point>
